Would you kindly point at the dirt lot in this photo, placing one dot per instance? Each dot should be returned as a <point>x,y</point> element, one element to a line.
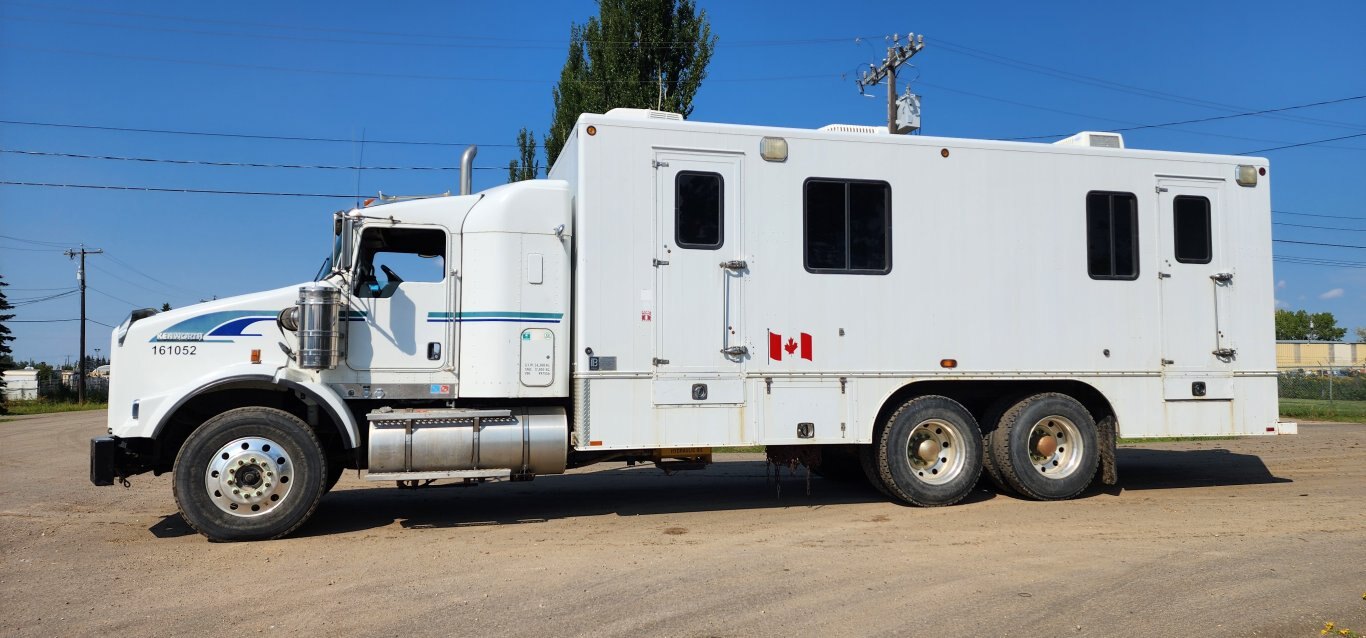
<point>1262,537</point>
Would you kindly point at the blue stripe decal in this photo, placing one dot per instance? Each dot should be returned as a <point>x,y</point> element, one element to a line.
<point>490,316</point>
<point>225,323</point>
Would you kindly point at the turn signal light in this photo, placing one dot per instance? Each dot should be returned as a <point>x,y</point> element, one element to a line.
<point>948,363</point>
<point>255,356</point>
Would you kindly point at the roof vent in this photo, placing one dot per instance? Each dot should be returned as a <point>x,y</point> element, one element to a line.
<point>1094,139</point>
<point>646,114</point>
<point>853,128</point>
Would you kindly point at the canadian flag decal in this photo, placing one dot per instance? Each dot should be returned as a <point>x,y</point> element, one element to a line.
<point>777,347</point>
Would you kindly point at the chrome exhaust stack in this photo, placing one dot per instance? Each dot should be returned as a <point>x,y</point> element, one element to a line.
<point>467,169</point>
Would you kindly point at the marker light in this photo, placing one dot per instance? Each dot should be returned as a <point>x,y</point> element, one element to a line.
<point>592,130</point>
<point>1247,175</point>
<point>948,363</point>
<point>255,356</point>
<point>773,149</point>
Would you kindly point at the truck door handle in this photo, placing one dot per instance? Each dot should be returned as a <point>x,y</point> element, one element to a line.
<point>434,351</point>
<point>1222,277</point>
<point>735,264</point>
<point>735,351</point>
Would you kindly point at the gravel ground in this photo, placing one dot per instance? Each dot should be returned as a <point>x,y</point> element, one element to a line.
<point>1250,537</point>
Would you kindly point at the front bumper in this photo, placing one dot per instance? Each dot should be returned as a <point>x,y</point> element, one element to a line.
<point>112,458</point>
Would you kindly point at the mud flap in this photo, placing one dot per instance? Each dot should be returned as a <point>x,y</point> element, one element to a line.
<point>1107,436</point>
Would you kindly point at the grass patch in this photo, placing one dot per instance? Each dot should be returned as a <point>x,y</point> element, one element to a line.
<point>21,408</point>
<point>748,449</point>
<point>1324,410</point>
<point>1173,439</point>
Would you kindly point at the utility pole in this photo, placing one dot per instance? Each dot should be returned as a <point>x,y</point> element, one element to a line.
<point>80,277</point>
<point>897,55</point>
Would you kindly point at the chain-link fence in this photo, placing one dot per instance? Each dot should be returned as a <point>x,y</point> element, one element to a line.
<point>1325,385</point>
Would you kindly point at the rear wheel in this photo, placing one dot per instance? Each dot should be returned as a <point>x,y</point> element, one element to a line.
<point>1045,447</point>
<point>929,452</point>
<point>249,474</point>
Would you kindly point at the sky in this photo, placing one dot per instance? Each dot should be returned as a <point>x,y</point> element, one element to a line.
<point>446,74</point>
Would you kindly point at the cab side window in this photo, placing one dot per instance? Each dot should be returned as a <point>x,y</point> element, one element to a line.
<point>387,257</point>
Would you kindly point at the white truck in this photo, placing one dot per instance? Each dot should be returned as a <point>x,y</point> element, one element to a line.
<point>911,309</point>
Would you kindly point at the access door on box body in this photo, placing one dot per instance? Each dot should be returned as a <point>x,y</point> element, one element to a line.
<point>700,267</point>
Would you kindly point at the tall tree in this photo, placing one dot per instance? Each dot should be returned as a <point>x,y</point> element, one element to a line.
<point>165,306</point>
<point>648,54</point>
<point>6,355</point>
<point>1299,325</point>
<point>526,166</point>
<point>1361,335</point>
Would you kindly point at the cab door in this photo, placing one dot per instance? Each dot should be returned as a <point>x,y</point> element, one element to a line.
<point>400,314</point>
<point>700,353</point>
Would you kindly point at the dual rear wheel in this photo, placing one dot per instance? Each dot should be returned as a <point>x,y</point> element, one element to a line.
<point>931,451</point>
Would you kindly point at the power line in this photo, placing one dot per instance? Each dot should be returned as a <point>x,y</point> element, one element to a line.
<point>124,129</point>
<point>1350,230</point>
<point>388,75</point>
<point>1314,243</point>
<point>1286,212</point>
<point>135,305</point>
<point>130,267</point>
<point>1116,86</point>
<point>508,43</point>
<point>36,242</point>
<point>1278,148</point>
<point>1209,119</point>
<point>135,284</point>
<point>153,189</point>
<point>41,320</point>
<point>159,160</point>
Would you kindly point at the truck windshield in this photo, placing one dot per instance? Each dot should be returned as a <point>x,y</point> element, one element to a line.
<point>326,268</point>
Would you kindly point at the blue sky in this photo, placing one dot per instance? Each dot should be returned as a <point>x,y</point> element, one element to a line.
<point>476,72</point>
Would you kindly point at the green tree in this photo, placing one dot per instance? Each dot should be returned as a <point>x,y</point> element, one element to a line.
<point>526,166</point>
<point>1299,325</point>
<point>6,354</point>
<point>1361,335</point>
<point>165,306</point>
<point>634,54</point>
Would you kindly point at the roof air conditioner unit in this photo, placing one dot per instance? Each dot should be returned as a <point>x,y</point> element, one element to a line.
<point>853,128</point>
<point>1093,139</point>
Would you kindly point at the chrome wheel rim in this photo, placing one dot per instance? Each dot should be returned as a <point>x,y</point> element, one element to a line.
<point>1055,447</point>
<point>249,476</point>
<point>936,451</point>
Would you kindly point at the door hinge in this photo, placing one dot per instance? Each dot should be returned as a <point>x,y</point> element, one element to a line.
<point>1164,275</point>
<point>1161,189</point>
<point>659,362</point>
<point>735,264</point>
<point>1225,353</point>
<point>735,351</point>
<point>659,262</point>
<point>1167,362</point>
<point>659,164</point>
<point>768,385</point>
<point>1222,277</point>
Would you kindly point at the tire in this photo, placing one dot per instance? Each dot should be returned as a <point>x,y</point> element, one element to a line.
<point>991,421</point>
<point>945,430</point>
<point>246,449</point>
<point>1020,447</point>
<point>335,470</point>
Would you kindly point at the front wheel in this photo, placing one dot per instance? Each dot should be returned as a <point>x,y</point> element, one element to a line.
<point>249,474</point>
<point>930,452</point>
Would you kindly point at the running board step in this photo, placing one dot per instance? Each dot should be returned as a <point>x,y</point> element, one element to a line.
<point>443,474</point>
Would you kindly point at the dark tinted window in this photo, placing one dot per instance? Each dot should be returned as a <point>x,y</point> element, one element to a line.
<point>388,257</point>
<point>698,211</point>
<point>1111,235</point>
<point>1191,226</point>
<point>848,226</point>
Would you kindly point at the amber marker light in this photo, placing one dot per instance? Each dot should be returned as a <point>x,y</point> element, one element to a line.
<point>255,356</point>
<point>948,363</point>
<point>592,130</point>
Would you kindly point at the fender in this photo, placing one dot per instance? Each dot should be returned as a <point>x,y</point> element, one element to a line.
<point>316,392</point>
